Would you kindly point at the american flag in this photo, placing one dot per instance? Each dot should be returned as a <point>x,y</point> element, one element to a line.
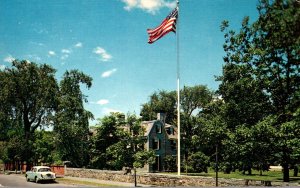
<point>168,24</point>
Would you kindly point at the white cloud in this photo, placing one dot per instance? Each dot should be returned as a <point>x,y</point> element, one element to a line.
<point>108,73</point>
<point>150,6</point>
<point>65,51</point>
<point>78,45</point>
<point>51,53</point>
<point>130,4</point>
<point>109,110</point>
<point>2,67</point>
<point>65,56</point>
<point>102,102</point>
<point>103,54</point>
<point>9,59</point>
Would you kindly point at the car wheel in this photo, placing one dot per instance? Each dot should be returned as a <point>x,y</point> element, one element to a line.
<point>36,179</point>
<point>27,179</point>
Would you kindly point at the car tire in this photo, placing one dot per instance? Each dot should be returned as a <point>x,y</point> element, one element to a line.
<point>36,179</point>
<point>27,179</point>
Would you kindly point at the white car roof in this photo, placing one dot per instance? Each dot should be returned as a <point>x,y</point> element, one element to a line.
<point>41,167</point>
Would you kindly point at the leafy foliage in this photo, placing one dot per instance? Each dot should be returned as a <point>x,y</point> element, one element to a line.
<point>71,119</point>
<point>261,76</point>
<point>198,162</point>
<point>28,94</point>
<point>117,141</point>
<point>170,163</point>
<point>162,101</point>
<point>193,100</point>
<point>28,100</point>
<point>44,147</point>
<point>144,157</point>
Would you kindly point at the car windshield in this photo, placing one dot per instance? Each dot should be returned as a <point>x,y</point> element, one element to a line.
<point>44,170</point>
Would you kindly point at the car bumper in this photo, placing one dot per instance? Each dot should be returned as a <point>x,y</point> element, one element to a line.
<point>47,177</point>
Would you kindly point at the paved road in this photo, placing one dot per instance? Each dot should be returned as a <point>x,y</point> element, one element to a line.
<point>14,180</point>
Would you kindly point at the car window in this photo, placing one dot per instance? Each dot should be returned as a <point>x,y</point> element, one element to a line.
<point>44,170</point>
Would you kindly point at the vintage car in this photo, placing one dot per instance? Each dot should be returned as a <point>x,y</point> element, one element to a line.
<point>40,173</point>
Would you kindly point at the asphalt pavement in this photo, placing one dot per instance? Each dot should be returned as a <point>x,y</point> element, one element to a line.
<point>18,180</point>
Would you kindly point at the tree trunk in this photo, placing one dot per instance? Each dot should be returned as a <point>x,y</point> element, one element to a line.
<point>249,171</point>
<point>286,175</point>
<point>296,170</point>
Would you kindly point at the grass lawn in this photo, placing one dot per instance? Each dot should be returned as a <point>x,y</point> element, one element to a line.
<point>276,175</point>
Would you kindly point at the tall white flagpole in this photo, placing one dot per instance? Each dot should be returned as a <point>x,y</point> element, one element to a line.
<point>178,93</point>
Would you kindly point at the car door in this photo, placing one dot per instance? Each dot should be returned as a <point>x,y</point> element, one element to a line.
<point>28,174</point>
<point>31,173</point>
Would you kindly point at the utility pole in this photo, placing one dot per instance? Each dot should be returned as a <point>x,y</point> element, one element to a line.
<point>135,178</point>
<point>217,168</point>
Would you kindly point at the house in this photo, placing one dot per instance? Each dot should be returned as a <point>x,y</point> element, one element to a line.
<point>162,138</point>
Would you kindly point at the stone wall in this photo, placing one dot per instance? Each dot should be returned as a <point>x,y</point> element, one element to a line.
<point>159,179</point>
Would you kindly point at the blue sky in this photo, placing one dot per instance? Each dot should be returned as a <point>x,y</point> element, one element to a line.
<point>107,40</point>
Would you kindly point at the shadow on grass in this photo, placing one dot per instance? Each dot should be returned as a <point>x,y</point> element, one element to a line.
<point>274,176</point>
<point>292,179</point>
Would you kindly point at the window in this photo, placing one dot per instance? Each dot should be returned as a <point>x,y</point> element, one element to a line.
<point>155,144</point>
<point>44,170</point>
<point>158,128</point>
<point>173,144</point>
<point>170,130</point>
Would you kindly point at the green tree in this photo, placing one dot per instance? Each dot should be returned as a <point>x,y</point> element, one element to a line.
<point>193,100</point>
<point>117,141</point>
<point>142,158</point>
<point>15,151</point>
<point>162,101</point>
<point>198,162</point>
<point>44,147</point>
<point>210,134</point>
<point>269,48</point>
<point>71,119</point>
<point>244,100</point>
<point>109,131</point>
<point>288,141</point>
<point>264,143</point>
<point>28,90</point>
<point>28,99</point>
<point>170,163</point>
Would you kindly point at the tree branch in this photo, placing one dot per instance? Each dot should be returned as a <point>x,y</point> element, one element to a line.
<point>34,127</point>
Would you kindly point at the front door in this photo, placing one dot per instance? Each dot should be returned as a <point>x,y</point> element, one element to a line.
<point>157,164</point>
